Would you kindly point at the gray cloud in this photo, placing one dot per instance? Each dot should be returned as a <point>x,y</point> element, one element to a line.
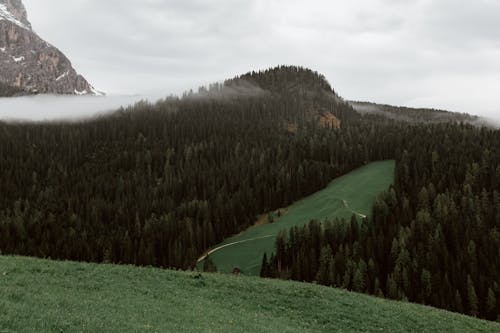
<point>426,53</point>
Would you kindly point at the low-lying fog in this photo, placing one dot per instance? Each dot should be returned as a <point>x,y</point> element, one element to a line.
<point>74,108</point>
<point>50,107</point>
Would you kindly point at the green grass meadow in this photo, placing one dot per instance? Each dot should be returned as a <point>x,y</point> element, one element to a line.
<point>358,189</point>
<point>48,296</point>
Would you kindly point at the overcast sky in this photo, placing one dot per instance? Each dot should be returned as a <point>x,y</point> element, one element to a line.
<point>429,53</point>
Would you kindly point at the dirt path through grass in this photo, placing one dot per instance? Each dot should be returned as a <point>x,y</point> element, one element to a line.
<point>230,244</point>
<point>346,205</point>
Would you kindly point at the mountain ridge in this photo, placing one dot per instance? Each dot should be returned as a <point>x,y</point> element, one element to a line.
<point>414,115</point>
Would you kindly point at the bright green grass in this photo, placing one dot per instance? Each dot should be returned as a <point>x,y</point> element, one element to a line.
<point>358,188</point>
<point>47,296</point>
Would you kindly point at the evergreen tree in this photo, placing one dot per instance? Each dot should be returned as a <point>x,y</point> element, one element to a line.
<point>491,304</point>
<point>458,303</point>
<point>472,297</point>
<point>323,275</point>
<point>209,266</point>
<point>359,277</point>
<point>426,282</point>
<point>265,269</point>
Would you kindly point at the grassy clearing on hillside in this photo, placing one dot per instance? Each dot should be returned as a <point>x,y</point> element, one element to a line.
<point>350,194</point>
<point>47,296</point>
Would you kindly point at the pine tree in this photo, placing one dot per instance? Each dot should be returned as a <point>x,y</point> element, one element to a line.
<point>392,288</point>
<point>458,302</point>
<point>425,280</point>
<point>209,265</point>
<point>265,270</point>
<point>472,297</point>
<point>359,277</point>
<point>491,304</point>
<point>323,274</point>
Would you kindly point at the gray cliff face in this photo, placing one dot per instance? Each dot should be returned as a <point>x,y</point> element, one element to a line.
<point>29,63</point>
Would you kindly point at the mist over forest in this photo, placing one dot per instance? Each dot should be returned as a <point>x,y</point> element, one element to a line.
<point>75,108</point>
<point>57,108</point>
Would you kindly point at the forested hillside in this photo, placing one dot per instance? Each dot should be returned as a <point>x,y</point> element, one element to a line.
<point>434,237</point>
<point>158,184</point>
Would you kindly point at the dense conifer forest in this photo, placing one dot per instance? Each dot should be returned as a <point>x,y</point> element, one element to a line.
<point>434,237</point>
<point>158,184</point>
<point>416,115</point>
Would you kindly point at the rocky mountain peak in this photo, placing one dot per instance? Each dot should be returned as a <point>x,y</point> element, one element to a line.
<point>16,9</point>
<point>30,64</point>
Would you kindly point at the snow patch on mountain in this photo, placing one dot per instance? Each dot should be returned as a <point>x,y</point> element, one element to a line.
<point>6,15</point>
<point>96,92</point>
<point>62,76</point>
<point>18,59</point>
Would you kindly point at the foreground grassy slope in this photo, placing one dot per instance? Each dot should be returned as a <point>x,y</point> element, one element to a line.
<point>46,296</point>
<point>352,193</point>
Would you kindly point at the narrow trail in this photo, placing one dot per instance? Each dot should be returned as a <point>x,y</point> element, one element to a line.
<point>205,255</point>
<point>346,205</point>
<point>231,244</point>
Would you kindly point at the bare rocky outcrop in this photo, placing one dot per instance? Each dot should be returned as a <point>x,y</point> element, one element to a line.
<point>29,63</point>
